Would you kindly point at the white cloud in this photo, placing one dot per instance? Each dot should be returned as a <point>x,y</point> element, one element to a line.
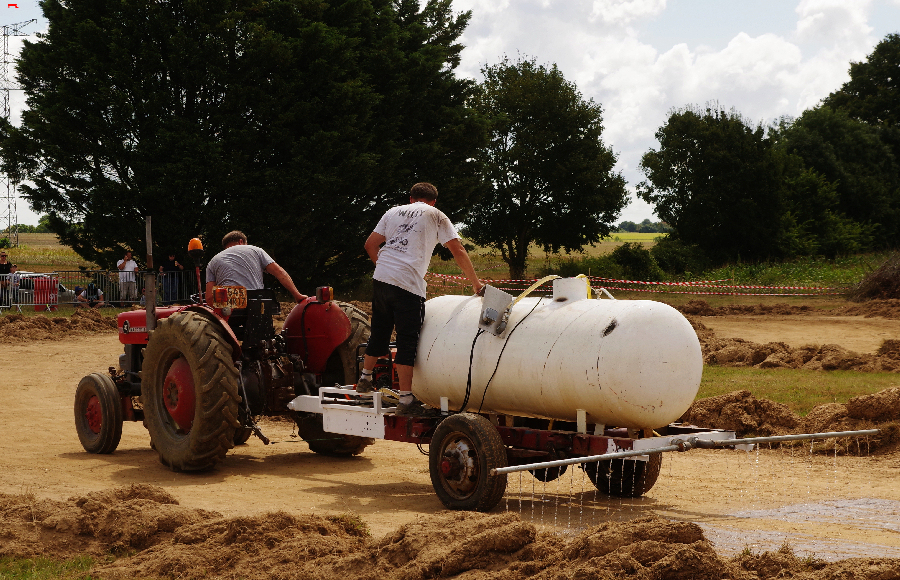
<point>838,21</point>
<point>623,12</point>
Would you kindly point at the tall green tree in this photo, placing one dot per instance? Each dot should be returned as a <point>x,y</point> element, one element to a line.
<point>715,180</point>
<point>296,121</point>
<point>872,95</point>
<point>550,178</point>
<point>850,155</point>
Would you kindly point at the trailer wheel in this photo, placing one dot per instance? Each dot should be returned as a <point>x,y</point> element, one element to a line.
<point>624,477</point>
<point>98,414</point>
<point>190,392</point>
<point>464,449</point>
<point>548,473</point>
<point>340,368</point>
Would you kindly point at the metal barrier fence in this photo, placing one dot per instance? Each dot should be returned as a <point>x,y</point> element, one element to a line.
<point>111,288</point>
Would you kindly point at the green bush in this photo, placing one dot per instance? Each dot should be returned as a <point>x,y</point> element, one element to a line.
<point>637,262</point>
<point>5,243</point>
<point>600,266</point>
<point>679,259</point>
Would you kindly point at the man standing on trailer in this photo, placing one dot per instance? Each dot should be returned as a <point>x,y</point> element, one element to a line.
<point>409,234</point>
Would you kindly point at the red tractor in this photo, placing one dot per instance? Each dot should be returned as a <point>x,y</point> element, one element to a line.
<point>198,379</point>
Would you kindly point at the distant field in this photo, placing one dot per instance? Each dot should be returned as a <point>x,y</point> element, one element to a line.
<point>490,265</point>
<point>44,253</point>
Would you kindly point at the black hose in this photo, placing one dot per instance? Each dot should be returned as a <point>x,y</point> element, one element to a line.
<point>508,336</point>
<point>465,403</point>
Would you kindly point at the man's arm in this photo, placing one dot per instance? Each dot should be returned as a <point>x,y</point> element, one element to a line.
<point>373,243</point>
<point>464,262</point>
<point>120,264</point>
<point>285,279</point>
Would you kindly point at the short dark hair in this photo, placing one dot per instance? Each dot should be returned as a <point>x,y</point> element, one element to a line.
<point>233,237</point>
<point>424,191</point>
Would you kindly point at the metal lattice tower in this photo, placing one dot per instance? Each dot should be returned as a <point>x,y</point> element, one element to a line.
<point>9,219</point>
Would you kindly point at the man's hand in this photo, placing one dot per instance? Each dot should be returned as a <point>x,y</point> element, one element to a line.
<point>298,297</point>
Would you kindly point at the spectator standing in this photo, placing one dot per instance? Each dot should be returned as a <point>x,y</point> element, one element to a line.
<point>5,269</point>
<point>127,280</point>
<point>170,274</point>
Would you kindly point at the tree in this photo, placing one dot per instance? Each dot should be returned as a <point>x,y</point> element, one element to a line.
<point>296,121</point>
<point>716,181</point>
<point>872,95</point>
<point>549,176</point>
<point>850,156</point>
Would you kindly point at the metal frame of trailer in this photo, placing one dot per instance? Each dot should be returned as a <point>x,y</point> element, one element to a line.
<point>463,471</point>
<point>344,411</point>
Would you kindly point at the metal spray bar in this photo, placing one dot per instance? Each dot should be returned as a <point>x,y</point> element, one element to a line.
<point>679,444</point>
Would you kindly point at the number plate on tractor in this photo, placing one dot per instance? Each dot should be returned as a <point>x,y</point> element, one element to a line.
<point>229,297</point>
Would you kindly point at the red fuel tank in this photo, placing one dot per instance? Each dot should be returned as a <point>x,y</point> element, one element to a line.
<point>313,330</point>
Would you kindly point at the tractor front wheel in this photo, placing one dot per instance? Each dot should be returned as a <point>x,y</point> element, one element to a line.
<point>98,414</point>
<point>190,392</point>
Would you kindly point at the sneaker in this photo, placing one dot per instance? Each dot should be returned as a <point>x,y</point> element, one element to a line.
<point>365,386</point>
<point>416,409</point>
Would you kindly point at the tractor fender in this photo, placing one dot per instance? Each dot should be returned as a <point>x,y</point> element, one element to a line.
<point>215,318</point>
<point>133,325</point>
<point>313,330</point>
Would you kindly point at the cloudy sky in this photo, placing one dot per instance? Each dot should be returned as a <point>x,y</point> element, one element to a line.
<point>642,58</point>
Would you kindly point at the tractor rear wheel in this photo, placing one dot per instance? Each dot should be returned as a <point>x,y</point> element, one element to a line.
<point>341,368</point>
<point>464,449</point>
<point>98,414</point>
<point>624,477</point>
<point>190,392</point>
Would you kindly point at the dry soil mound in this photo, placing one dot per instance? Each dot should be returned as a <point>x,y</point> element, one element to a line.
<point>21,328</point>
<point>885,308</point>
<point>741,412</point>
<point>737,352</point>
<point>155,537</point>
<point>702,308</point>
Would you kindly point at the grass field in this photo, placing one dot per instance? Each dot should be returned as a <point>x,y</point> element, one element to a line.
<point>44,253</point>
<point>799,389</point>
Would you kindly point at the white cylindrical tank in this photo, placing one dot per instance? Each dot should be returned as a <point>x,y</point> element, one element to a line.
<point>627,363</point>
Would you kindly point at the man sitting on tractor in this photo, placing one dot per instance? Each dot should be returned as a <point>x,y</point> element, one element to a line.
<point>409,234</point>
<point>240,264</point>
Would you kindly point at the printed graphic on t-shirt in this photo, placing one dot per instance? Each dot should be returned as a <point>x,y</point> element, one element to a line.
<point>400,241</point>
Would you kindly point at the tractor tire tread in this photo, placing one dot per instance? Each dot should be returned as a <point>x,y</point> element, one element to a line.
<point>211,436</point>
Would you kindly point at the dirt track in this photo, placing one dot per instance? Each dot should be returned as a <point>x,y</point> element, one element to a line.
<point>756,500</point>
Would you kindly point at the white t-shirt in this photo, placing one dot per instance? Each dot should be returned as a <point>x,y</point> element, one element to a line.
<point>411,232</point>
<point>126,274</point>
